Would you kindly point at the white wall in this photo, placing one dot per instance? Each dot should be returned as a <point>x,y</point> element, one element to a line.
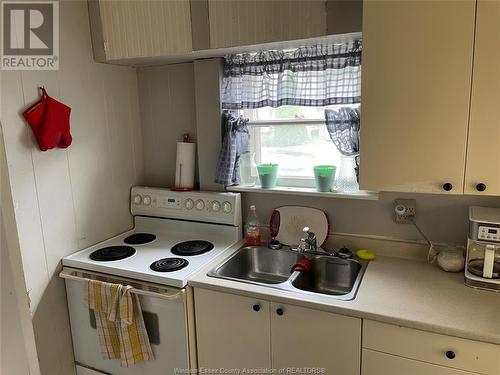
<point>66,200</point>
<point>13,356</point>
<point>18,355</point>
<point>175,99</point>
<point>443,219</point>
<point>167,112</point>
<point>207,77</point>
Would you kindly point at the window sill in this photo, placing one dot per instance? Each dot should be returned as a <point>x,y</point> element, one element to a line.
<point>364,195</point>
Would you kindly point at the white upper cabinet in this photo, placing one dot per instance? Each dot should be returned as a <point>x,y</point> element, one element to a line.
<point>136,29</point>
<point>247,22</point>
<point>416,82</point>
<point>140,29</point>
<point>483,158</point>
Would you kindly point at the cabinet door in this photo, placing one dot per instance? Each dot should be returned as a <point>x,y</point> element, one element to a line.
<point>303,337</point>
<point>134,29</point>
<point>377,363</point>
<point>246,22</point>
<point>483,157</point>
<point>230,332</point>
<point>416,81</point>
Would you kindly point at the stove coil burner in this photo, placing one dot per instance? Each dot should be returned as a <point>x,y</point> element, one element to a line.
<point>169,264</point>
<point>110,253</point>
<point>188,248</point>
<point>139,238</point>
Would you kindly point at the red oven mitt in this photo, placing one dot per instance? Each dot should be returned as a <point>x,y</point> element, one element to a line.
<point>49,120</point>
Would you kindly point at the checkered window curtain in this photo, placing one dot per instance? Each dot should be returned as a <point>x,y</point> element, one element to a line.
<point>318,75</point>
<point>343,125</point>
<point>235,138</point>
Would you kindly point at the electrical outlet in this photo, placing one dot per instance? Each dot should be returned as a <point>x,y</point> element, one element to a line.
<point>409,206</point>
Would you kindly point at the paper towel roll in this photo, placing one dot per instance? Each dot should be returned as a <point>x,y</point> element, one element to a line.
<point>184,168</point>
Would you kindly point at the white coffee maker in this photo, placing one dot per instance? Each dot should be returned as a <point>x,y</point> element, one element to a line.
<point>482,268</point>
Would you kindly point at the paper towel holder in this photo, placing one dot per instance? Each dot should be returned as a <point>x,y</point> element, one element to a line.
<point>179,186</point>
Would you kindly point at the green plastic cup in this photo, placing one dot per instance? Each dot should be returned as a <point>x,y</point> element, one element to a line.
<point>324,176</point>
<point>268,174</point>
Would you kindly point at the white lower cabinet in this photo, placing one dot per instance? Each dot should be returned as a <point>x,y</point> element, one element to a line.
<point>231,331</point>
<point>237,332</point>
<point>389,349</point>
<point>302,337</point>
<point>376,363</point>
<point>241,332</point>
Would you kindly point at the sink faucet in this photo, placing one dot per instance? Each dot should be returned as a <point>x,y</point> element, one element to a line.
<point>308,243</point>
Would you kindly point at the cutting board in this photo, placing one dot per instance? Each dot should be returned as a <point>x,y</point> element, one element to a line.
<point>287,224</point>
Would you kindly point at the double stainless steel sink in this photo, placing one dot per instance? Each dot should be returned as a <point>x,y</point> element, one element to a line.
<point>339,278</point>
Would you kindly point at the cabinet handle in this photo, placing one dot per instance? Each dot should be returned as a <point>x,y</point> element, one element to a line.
<point>481,187</point>
<point>447,186</point>
<point>279,311</point>
<point>256,307</point>
<point>450,354</point>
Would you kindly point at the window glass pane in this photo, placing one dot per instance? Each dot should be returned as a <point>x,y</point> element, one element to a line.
<point>288,112</point>
<point>297,143</point>
<point>296,148</point>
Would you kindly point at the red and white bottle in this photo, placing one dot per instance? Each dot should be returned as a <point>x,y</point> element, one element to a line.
<point>252,228</point>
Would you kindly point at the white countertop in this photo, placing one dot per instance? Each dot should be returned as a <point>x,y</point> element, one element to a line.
<point>393,290</point>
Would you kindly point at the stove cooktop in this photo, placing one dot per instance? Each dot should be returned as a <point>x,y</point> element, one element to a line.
<point>157,250</point>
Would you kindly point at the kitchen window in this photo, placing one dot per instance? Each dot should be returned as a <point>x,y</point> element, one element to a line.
<point>295,108</point>
<point>295,137</point>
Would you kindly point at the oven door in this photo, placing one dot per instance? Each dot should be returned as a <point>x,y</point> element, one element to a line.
<point>165,316</point>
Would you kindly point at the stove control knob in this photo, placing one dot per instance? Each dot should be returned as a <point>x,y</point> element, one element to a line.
<point>200,205</point>
<point>216,206</point>
<point>137,199</point>
<point>189,203</point>
<point>146,200</point>
<point>227,207</point>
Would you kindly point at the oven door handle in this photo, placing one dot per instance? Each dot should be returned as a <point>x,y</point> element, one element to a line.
<point>165,294</point>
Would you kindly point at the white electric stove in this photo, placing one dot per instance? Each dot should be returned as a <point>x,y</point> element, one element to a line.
<point>164,247</point>
<point>175,234</point>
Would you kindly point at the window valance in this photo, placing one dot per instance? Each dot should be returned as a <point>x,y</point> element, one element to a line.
<point>317,75</point>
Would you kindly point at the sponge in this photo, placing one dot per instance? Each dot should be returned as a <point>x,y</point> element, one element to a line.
<point>365,254</point>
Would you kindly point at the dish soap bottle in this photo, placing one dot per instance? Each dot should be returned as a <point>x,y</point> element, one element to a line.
<point>252,228</point>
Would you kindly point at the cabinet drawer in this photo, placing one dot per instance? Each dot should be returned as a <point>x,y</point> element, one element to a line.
<point>431,347</point>
<point>376,363</point>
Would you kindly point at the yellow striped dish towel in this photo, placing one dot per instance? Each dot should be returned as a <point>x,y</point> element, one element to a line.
<point>120,324</point>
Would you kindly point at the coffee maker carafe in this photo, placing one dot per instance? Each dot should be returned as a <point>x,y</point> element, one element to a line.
<point>483,249</point>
